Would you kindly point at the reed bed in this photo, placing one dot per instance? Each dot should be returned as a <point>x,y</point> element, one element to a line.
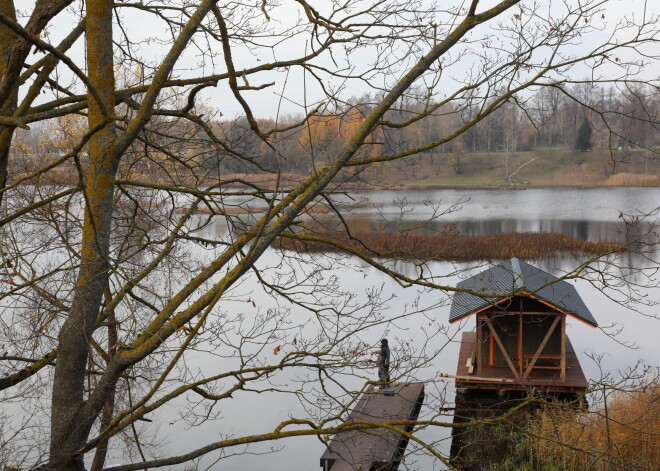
<point>632,179</point>
<point>443,247</point>
<point>238,210</point>
<point>555,437</point>
<point>628,435</point>
<point>625,436</point>
<point>223,212</point>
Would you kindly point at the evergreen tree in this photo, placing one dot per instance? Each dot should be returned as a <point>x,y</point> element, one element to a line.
<point>583,138</point>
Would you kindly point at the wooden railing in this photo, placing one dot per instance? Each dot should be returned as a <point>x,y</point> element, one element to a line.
<point>555,360</point>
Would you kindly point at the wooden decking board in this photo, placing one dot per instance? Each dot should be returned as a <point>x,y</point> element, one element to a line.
<point>359,450</point>
<point>543,379</point>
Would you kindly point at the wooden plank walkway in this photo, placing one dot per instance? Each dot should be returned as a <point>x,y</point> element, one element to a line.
<point>379,448</point>
<point>540,379</point>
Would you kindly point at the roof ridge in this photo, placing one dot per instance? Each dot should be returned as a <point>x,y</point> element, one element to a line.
<point>518,278</point>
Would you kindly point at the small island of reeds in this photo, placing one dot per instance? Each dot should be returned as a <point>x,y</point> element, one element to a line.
<point>446,247</point>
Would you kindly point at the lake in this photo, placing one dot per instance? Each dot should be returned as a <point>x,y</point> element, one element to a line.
<point>590,214</point>
<point>414,319</point>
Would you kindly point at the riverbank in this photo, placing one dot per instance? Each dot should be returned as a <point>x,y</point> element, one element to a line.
<point>550,167</point>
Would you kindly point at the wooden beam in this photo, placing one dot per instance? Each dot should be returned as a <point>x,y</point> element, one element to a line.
<point>502,349</point>
<point>542,346</point>
<point>477,378</point>
<point>479,340</point>
<point>471,362</point>
<point>542,313</point>
<point>562,362</point>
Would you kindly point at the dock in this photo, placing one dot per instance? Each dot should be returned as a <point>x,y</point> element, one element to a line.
<point>379,448</point>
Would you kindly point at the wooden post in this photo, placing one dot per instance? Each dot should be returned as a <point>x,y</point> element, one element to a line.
<point>491,352</point>
<point>502,349</point>
<point>479,327</point>
<point>542,346</point>
<point>520,341</point>
<point>520,336</point>
<point>562,363</point>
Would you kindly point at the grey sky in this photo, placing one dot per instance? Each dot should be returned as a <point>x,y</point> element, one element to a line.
<point>288,94</point>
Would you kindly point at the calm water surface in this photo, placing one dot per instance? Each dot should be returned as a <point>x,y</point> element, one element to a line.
<point>590,214</point>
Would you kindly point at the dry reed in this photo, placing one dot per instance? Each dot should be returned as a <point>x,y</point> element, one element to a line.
<point>409,246</point>
<point>238,210</point>
<point>627,435</point>
<point>632,179</point>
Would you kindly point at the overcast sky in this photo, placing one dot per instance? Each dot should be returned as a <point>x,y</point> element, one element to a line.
<point>288,93</point>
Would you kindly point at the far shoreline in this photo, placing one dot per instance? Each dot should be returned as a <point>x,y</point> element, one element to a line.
<point>288,181</point>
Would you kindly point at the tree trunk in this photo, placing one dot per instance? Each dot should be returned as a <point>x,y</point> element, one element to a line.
<point>70,420</point>
<point>109,407</point>
<point>7,40</point>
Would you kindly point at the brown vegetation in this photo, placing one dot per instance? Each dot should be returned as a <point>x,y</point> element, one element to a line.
<point>632,179</point>
<point>449,247</point>
<point>626,433</point>
<point>237,210</point>
<point>553,437</point>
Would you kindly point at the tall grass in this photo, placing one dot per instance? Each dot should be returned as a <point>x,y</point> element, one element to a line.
<point>625,436</point>
<point>632,179</point>
<point>409,246</point>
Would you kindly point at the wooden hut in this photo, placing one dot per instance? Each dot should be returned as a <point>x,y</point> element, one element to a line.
<point>520,339</point>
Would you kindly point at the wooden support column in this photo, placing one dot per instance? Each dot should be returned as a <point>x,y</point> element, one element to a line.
<point>562,363</point>
<point>502,349</point>
<point>491,355</point>
<point>520,342</point>
<point>542,346</point>
<point>479,340</point>
<point>520,337</point>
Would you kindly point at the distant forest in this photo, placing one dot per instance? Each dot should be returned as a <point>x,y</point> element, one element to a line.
<point>619,119</point>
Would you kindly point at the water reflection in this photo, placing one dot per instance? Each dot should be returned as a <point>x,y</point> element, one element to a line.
<point>579,229</point>
<point>484,213</point>
<point>584,213</point>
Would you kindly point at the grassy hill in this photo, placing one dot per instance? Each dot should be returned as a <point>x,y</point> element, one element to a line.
<point>538,167</point>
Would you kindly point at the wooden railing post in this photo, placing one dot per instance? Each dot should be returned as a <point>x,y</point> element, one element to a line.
<point>562,362</point>
<point>479,340</point>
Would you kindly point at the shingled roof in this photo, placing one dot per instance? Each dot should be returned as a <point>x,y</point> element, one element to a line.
<point>515,277</point>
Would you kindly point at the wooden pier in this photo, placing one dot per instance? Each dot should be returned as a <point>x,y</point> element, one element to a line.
<point>377,449</point>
